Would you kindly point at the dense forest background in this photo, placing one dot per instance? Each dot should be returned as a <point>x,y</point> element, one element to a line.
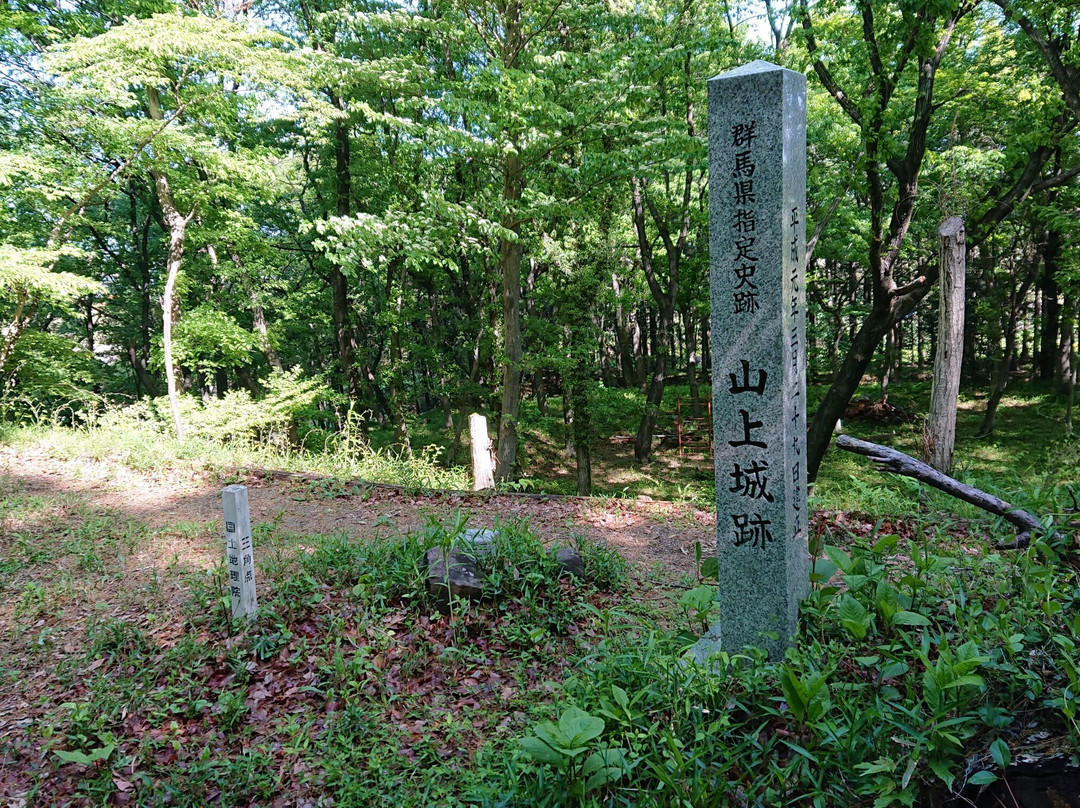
<point>377,210</point>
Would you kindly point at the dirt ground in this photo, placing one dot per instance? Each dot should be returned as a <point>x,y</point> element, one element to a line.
<point>183,507</point>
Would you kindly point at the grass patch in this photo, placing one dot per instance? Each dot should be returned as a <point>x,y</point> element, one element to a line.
<point>924,661</point>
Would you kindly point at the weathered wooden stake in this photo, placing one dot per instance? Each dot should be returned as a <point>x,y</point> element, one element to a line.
<point>940,430</point>
<point>483,475</point>
<point>239,551</point>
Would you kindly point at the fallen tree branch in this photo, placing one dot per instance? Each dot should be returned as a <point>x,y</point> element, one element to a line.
<point>899,463</point>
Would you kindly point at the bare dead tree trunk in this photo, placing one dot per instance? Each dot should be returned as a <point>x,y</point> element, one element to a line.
<point>940,431</point>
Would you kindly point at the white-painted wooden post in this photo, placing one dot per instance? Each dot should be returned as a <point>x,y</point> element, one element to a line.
<point>483,474</point>
<point>239,551</point>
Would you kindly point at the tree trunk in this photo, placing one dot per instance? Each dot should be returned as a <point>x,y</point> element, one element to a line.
<point>653,400</point>
<point>539,390</point>
<point>624,338</point>
<point>170,305</point>
<point>510,261</point>
<point>1003,367</point>
<point>339,287</point>
<point>867,338</point>
<point>579,403</point>
<point>1063,356</point>
<point>1051,309</point>
<point>940,432</point>
<point>692,362</point>
<point>141,373</point>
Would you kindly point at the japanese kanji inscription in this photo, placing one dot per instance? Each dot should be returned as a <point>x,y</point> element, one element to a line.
<point>757,204</point>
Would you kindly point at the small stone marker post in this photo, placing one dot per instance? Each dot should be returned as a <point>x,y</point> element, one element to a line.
<point>483,474</point>
<point>239,551</point>
<point>757,244</point>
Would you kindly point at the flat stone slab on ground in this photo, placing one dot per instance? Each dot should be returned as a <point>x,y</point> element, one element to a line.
<point>571,561</point>
<point>453,574</point>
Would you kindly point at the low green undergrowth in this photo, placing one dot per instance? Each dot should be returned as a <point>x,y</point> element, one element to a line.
<point>239,431</point>
<point>919,666</point>
<point>353,684</point>
<point>918,670</point>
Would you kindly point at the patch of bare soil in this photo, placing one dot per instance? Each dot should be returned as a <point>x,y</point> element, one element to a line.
<point>182,506</point>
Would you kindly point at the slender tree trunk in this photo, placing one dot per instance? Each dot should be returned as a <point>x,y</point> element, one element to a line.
<point>691,362</point>
<point>258,317</point>
<point>141,373</point>
<point>1063,356</point>
<point>844,385</point>
<point>1003,368</point>
<point>1051,308</point>
<point>510,260</point>
<point>623,337</point>
<point>940,434</point>
<point>579,403</point>
<point>170,305</point>
<point>539,390</point>
<point>653,399</point>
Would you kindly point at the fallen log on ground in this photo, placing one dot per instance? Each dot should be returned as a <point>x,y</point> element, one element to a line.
<point>899,463</point>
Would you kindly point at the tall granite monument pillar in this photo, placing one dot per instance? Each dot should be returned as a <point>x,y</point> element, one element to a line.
<point>757,243</point>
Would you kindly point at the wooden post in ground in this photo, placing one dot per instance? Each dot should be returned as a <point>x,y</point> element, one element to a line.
<point>940,431</point>
<point>483,475</point>
<point>239,551</point>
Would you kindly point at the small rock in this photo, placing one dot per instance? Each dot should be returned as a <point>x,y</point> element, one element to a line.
<point>478,541</point>
<point>453,574</point>
<point>571,561</point>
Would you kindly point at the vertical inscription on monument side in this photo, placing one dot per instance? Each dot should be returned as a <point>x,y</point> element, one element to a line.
<point>757,199</point>
<point>239,553</point>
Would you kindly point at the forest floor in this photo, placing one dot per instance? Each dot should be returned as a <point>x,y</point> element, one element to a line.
<point>117,670</point>
<point>89,542</point>
<point>183,507</point>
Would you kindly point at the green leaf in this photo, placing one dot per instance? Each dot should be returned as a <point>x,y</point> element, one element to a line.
<point>940,767</point>
<point>879,766</point>
<point>974,680</point>
<point>838,557</point>
<point>894,669</point>
<point>794,692</point>
<point>710,568</point>
<point>999,751</point>
<point>908,772</point>
<point>602,767</point>
<point>74,757</point>
<point>905,618</point>
<point>886,543</point>
<point>806,754</point>
<point>823,570</point>
<point>577,728</point>
<point>101,753</point>
<point>854,617</point>
<point>983,778</point>
<point>541,752</point>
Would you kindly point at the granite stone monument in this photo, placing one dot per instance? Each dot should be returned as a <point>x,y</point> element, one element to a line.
<point>757,223</point>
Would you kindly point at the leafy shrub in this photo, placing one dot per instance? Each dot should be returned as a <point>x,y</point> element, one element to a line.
<point>903,687</point>
<point>51,379</point>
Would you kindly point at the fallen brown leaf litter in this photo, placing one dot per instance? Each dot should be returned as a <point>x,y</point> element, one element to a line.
<point>416,674</point>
